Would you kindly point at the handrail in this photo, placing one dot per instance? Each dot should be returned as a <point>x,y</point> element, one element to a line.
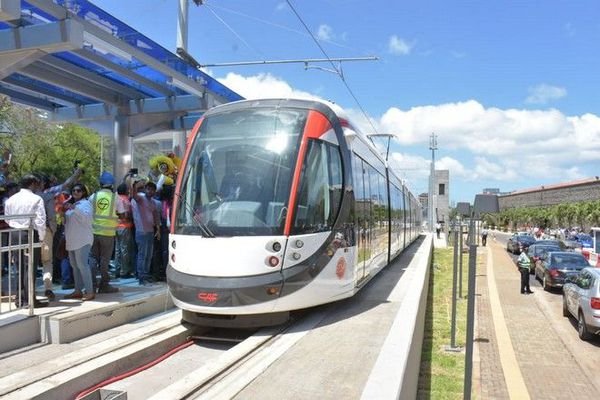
<point>27,248</point>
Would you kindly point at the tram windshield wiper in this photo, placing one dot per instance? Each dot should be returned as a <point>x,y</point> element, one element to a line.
<point>204,229</point>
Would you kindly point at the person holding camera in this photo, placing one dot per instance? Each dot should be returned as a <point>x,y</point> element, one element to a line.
<point>78,241</point>
<point>48,193</point>
<point>146,219</point>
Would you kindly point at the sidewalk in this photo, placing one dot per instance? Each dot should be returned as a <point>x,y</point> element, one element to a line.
<point>518,354</point>
<point>439,242</point>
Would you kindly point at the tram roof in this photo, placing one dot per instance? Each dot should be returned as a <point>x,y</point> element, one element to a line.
<point>78,62</point>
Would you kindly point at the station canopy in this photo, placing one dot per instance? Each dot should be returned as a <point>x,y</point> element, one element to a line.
<point>81,64</point>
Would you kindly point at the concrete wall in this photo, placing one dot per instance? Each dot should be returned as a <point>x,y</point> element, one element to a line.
<point>547,196</point>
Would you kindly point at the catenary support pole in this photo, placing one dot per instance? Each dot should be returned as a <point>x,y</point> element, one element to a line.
<point>460,258</point>
<point>470,318</point>
<point>454,282</point>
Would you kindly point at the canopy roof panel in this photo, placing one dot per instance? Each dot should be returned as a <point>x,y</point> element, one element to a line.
<point>72,58</point>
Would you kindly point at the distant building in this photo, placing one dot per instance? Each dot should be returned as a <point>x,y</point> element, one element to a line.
<point>485,204</point>
<point>490,191</point>
<point>549,195</point>
<point>442,196</point>
<point>463,209</point>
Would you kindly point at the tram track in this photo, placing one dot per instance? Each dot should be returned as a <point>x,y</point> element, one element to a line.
<point>220,363</point>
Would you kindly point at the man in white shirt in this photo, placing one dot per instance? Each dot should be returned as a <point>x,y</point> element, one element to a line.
<point>21,203</point>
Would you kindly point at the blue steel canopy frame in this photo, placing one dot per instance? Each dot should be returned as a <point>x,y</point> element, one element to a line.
<point>79,63</point>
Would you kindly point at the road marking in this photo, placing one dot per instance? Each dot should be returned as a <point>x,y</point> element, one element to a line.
<point>512,373</point>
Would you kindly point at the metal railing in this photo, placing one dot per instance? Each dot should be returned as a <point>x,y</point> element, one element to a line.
<point>16,259</point>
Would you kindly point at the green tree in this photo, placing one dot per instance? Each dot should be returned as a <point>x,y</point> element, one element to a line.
<point>38,145</point>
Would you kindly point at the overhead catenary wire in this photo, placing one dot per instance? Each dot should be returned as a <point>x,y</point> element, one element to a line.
<point>233,31</point>
<point>335,68</point>
<point>287,28</point>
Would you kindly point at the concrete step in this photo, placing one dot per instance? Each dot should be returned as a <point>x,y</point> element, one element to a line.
<point>65,320</point>
<point>38,373</point>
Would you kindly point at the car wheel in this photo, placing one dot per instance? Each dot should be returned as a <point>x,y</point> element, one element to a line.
<point>582,328</point>
<point>545,284</point>
<point>565,309</point>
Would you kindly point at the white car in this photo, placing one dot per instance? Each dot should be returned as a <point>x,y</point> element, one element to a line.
<point>581,299</point>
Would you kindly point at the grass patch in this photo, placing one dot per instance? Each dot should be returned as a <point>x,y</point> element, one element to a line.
<point>442,372</point>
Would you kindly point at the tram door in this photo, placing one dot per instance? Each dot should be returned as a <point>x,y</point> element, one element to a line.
<point>362,212</point>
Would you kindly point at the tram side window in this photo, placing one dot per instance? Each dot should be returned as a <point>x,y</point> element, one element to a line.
<point>319,196</point>
<point>361,199</point>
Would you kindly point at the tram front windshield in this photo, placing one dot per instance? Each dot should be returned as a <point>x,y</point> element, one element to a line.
<point>238,175</point>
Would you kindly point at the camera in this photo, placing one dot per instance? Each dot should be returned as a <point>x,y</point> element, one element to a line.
<point>76,164</point>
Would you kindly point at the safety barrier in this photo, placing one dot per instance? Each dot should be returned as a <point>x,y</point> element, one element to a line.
<point>16,265</point>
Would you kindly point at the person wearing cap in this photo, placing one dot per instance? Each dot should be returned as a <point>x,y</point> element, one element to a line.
<point>106,206</point>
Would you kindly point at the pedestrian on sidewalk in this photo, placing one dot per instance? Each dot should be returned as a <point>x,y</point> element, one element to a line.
<point>438,229</point>
<point>484,235</point>
<point>524,263</point>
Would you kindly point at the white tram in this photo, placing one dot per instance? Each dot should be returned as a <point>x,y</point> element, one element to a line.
<point>281,205</point>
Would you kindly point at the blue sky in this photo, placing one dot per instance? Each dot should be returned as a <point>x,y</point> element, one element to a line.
<point>510,88</point>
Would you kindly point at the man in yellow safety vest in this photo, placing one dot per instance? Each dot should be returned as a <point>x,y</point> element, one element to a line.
<point>106,206</point>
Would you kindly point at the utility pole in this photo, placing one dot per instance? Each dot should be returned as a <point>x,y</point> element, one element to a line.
<point>182,25</point>
<point>433,148</point>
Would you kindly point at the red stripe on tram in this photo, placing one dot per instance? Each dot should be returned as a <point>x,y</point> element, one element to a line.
<point>184,162</point>
<point>316,126</point>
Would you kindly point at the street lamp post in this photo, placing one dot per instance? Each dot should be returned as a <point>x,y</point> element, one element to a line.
<point>433,148</point>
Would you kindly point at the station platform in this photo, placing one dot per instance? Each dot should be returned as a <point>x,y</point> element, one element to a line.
<point>66,320</point>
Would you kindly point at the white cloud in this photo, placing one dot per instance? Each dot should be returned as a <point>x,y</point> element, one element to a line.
<point>262,86</point>
<point>399,46</point>
<point>543,94</point>
<point>325,32</point>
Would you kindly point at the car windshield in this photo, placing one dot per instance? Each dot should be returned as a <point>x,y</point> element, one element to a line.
<point>569,260</point>
<point>540,250</point>
<point>525,238</point>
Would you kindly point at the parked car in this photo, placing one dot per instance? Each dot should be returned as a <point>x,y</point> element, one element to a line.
<point>571,243</point>
<point>517,242</point>
<point>557,265</point>
<point>553,242</point>
<point>584,240</point>
<point>581,299</point>
<point>537,252</point>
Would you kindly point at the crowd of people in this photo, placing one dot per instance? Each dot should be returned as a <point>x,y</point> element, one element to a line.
<point>83,235</point>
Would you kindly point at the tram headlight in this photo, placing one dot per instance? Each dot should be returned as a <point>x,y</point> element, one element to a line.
<point>173,244</point>
<point>276,246</point>
<point>299,243</point>
<point>296,256</point>
<point>273,261</point>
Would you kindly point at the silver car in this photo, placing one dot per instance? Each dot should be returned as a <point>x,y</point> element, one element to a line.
<point>581,299</point>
